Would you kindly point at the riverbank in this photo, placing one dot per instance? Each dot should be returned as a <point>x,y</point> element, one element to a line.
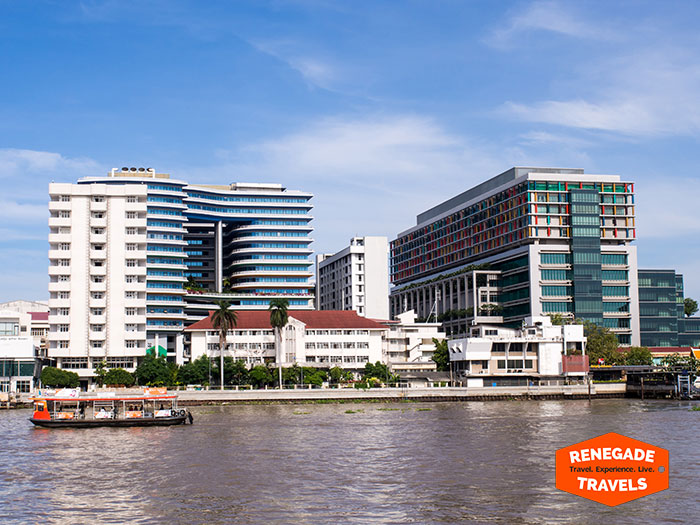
<point>388,395</point>
<point>384,395</point>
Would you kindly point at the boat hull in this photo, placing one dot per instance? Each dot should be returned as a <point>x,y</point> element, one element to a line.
<point>91,423</point>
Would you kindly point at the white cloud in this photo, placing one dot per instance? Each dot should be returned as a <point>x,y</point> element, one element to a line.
<point>548,16</point>
<point>315,71</point>
<point>22,161</point>
<point>369,176</point>
<point>655,92</point>
<point>666,209</point>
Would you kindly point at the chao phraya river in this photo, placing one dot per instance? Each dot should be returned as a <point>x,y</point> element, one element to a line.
<point>348,463</point>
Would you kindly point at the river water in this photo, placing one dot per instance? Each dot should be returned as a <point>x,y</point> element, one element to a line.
<point>487,462</point>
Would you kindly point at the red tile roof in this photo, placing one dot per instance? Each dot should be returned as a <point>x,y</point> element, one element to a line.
<point>39,316</point>
<point>260,319</point>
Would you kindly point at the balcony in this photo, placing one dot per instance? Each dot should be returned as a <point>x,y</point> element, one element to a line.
<point>59,270</point>
<point>58,303</point>
<point>97,303</point>
<point>59,254</point>
<point>97,336</point>
<point>98,238</point>
<point>98,254</point>
<point>60,237</point>
<point>59,287</point>
<point>98,270</point>
<point>135,287</point>
<point>96,319</point>
<point>60,221</point>
<point>98,287</point>
<point>98,206</point>
<point>60,205</point>
<point>98,223</point>
<point>135,270</point>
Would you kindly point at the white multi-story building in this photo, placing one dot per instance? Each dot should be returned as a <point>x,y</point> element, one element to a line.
<point>537,350</point>
<point>311,338</point>
<point>18,353</point>
<point>409,345</point>
<point>123,246</point>
<point>355,278</point>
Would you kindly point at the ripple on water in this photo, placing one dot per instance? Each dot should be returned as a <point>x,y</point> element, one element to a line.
<point>481,461</point>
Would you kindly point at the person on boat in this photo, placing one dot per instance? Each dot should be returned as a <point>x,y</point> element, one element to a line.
<point>82,412</point>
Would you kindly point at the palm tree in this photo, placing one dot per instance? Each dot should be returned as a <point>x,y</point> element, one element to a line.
<point>278,320</point>
<point>223,320</point>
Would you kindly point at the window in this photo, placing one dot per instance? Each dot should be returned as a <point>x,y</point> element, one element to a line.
<point>97,327</point>
<point>98,247</point>
<point>130,247</point>
<point>97,215</point>
<point>64,229</point>
<point>64,311</point>
<point>131,231</point>
<point>63,344</point>
<point>132,198</point>
<point>96,311</point>
<point>9,328</point>
<point>120,362</point>
<point>64,214</point>
<point>64,246</point>
<point>131,344</point>
<point>74,362</point>
<point>131,279</point>
<point>64,262</point>
<point>97,263</point>
<point>130,327</point>
<point>97,295</point>
<point>64,328</point>
<point>131,311</point>
<point>65,198</point>
<point>64,295</point>
<point>130,295</point>
<point>96,344</point>
<point>63,278</point>
<point>131,263</point>
<point>98,198</point>
<point>131,215</point>
<point>98,279</point>
<point>98,231</point>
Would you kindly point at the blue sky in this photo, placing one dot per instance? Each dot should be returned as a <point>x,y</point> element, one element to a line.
<point>380,108</point>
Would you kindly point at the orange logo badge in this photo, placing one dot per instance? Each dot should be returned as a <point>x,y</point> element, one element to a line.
<point>612,469</point>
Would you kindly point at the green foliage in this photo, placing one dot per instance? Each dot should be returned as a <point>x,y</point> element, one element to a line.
<point>260,376</point>
<point>278,312</point>
<point>195,372</point>
<point>559,320</point>
<point>192,285</point>
<point>338,375</point>
<point>377,373</point>
<point>314,376</point>
<point>686,362</point>
<point>154,371</point>
<point>119,376</point>
<point>441,356</point>
<point>56,378</point>
<point>638,355</point>
<point>602,344</point>
<point>101,372</point>
<point>690,307</point>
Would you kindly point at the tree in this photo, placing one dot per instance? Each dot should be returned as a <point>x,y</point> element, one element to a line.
<point>602,344</point>
<point>378,372</point>
<point>638,355</point>
<point>314,376</point>
<point>690,307</point>
<point>278,320</point>
<point>192,285</point>
<point>685,362</point>
<point>223,320</point>
<point>441,356</point>
<point>100,372</point>
<point>119,376</point>
<point>260,376</point>
<point>56,378</point>
<point>153,371</point>
<point>559,319</point>
<point>195,372</point>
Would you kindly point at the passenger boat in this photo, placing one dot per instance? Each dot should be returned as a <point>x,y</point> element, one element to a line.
<point>68,409</point>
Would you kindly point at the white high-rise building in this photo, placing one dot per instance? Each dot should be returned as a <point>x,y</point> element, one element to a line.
<point>355,278</point>
<point>123,246</point>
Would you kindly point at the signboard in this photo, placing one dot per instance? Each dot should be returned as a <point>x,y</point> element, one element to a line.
<point>612,469</point>
<point>68,392</point>
<point>155,391</point>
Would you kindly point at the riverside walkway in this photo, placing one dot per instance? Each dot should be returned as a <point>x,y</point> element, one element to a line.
<point>203,397</point>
